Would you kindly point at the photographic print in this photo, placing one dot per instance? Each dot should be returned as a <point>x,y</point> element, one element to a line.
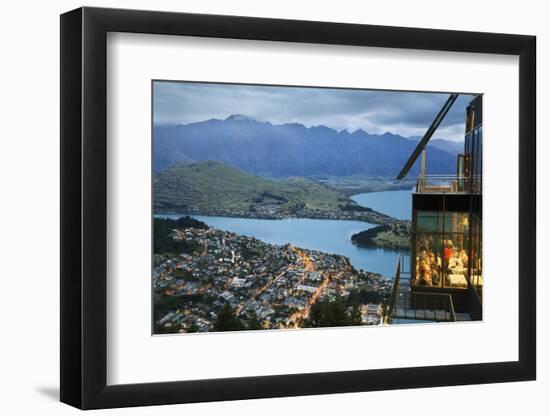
<point>325,184</point>
<point>291,207</point>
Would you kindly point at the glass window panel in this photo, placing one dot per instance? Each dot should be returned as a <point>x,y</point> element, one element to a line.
<point>476,277</point>
<point>428,221</point>
<point>456,222</point>
<point>455,260</point>
<point>479,152</point>
<point>428,260</point>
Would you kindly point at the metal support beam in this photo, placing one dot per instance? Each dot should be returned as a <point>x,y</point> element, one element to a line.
<point>428,135</point>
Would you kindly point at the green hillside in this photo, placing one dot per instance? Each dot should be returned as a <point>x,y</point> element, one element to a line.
<point>212,186</point>
<point>395,235</point>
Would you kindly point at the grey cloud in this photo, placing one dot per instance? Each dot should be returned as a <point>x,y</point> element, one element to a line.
<point>375,111</point>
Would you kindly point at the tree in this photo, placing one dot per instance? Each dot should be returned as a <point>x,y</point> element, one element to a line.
<point>162,235</point>
<point>253,323</point>
<point>193,328</point>
<point>329,313</point>
<point>315,316</point>
<point>364,296</point>
<point>227,321</point>
<point>355,315</point>
<point>340,313</point>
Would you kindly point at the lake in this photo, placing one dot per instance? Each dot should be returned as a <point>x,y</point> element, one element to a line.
<point>331,236</point>
<point>396,203</point>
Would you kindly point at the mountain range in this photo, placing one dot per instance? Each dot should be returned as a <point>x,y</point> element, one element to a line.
<point>449,146</point>
<point>292,149</point>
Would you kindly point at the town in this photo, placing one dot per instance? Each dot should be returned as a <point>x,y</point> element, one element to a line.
<point>224,281</point>
<point>277,211</point>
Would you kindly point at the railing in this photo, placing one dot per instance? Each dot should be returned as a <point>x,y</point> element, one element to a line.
<point>443,184</point>
<point>394,290</point>
<point>405,264</point>
<point>402,276</point>
<point>416,305</point>
<point>433,306</point>
<point>426,306</point>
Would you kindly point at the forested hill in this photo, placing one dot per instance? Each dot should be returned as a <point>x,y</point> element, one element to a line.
<point>211,186</point>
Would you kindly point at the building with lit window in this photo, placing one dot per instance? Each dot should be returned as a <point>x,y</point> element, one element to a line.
<point>441,279</point>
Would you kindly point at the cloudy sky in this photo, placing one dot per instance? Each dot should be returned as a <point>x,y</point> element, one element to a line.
<point>404,113</point>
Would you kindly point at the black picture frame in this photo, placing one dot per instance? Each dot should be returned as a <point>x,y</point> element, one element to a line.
<point>84,207</point>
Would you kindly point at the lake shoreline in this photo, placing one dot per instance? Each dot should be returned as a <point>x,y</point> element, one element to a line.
<point>330,235</point>
<point>393,236</point>
<point>371,217</point>
<point>396,204</point>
